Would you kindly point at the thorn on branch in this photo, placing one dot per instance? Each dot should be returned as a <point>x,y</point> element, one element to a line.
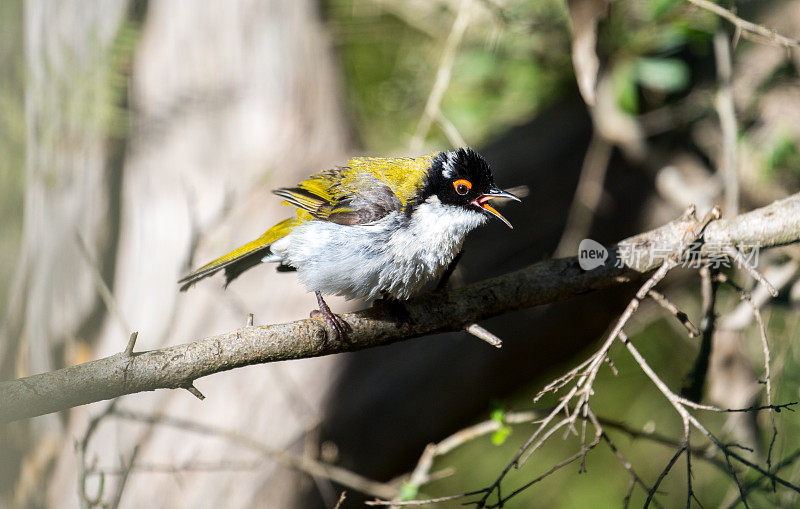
<point>131,343</point>
<point>195,392</point>
<point>712,215</point>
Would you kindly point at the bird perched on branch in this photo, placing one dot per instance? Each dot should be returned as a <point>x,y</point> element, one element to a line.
<point>376,226</point>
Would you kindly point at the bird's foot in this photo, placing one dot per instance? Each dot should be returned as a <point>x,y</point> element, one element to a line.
<point>335,322</point>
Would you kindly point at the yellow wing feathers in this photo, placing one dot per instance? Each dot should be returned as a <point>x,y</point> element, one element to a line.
<point>403,175</point>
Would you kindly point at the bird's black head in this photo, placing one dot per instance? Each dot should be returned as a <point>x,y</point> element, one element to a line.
<point>463,178</point>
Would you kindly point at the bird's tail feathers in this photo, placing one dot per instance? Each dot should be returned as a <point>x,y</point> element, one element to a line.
<point>240,259</point>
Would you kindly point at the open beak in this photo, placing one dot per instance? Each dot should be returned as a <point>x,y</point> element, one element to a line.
<point>482,201</point>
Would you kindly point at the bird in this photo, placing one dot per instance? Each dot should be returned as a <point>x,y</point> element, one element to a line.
<point>376,227</point>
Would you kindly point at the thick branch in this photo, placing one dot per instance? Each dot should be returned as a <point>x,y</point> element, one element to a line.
<point>542,283</point>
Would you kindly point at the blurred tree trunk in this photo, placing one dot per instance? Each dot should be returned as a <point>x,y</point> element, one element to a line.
<point>218,103</point>
<point>68,191</point>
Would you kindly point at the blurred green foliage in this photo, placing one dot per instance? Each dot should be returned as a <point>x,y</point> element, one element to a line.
<point>514,60</point>
<point>782,158</point>
<point>506,69</point>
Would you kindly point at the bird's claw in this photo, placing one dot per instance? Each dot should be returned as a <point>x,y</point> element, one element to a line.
<point>339,327</point>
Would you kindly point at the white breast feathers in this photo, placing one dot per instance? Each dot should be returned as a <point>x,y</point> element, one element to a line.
<point>395,254</point>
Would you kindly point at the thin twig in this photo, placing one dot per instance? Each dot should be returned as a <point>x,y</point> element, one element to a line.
<point>341,500</point>
<point>662,475</point>
<point>82,447</point>
<point>443,74</point>
<point>549,472</point>
<point>105,292</point>
<point>696,379</point>
<point>450,130</point>
<point>422,502</point>
<point>124,475</point>
<point>635,478</point>
<point>587,195</point>
<point>745,297</point>
<point>483,334</point>
<point>302,463</point>
<point>421,475</point>
<point>674,311</point>
<point>729,166</point>
<point>769,35</point>
<point>742,262</point>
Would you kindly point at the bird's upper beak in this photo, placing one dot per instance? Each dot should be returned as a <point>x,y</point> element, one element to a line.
<point>482,201</point>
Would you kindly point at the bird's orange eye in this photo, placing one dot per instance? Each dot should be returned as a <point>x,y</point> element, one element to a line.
<point>462,186</point>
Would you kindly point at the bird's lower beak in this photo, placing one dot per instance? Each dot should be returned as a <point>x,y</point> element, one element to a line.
<point>482,201</point>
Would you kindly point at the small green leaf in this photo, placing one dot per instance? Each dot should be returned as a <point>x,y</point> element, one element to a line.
<point>498,415</point>
<point>408,492</point>
<point>663,74</point>
<point>499,437</point>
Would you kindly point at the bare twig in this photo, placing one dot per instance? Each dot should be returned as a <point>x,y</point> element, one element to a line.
<point>586,373</point>
<point>301,463</point>
<point>587,195</point>
<point>422,502</point>
<point>105,292</point>
<point>742,262</point>
<point>549,472</point>
<point>635,478</point>
<point>575,403</point>
<point>678,403</point>
<point>443,74</point>
<point>729,165</point>
<point>662,475</point>
<point>674,311</point>
<point>421,473</point>
<point>340,501</point>
<point>745,296</point>
<point>696,380</point>
<point>748,487</point>
<point>450,130</point>
<point>83,467</point>
<point>483,334</point>
<point>127,467</point>
<point>767,34</point>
